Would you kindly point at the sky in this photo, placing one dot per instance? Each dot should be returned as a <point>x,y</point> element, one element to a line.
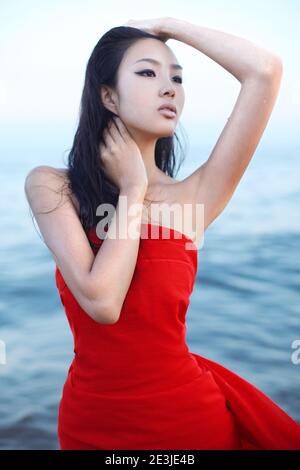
<point>45,46</point>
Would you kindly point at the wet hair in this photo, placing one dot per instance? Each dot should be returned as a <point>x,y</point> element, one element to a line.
<point>86,178</point>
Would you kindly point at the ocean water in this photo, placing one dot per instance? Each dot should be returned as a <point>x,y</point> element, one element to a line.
<point>244,311</point>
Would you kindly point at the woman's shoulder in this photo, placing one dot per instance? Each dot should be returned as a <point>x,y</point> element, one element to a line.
<point>47,171</point>
<point>62,174</point>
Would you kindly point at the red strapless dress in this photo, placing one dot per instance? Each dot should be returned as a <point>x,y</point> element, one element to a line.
<point>134,384</point>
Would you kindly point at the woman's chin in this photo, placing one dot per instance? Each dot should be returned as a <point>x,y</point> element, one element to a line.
<point>168,133</point>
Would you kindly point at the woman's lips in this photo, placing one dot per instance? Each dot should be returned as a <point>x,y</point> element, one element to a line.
<point>167,112</point>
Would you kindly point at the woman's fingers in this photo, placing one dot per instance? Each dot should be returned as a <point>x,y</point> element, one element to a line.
<point>108,134</point>
<point>122,129</point>
<point>116,130</point>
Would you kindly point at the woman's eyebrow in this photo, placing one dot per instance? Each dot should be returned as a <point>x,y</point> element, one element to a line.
<point>154,61</point>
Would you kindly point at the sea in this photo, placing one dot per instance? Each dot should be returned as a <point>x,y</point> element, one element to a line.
<point>244,310</point>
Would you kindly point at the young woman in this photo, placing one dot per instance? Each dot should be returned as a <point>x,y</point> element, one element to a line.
<point>133,383</point>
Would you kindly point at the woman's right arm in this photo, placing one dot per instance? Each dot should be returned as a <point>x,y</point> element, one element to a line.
<point>99,283</point>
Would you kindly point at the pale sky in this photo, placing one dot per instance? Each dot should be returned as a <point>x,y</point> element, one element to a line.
<point>45,46</point>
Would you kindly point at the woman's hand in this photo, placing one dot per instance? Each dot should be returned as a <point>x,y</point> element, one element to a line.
<point>152,26</point>
<point>121,157</point>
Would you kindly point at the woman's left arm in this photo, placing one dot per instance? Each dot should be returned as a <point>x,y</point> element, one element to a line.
<point>259,72</point>
<point>239,56</point>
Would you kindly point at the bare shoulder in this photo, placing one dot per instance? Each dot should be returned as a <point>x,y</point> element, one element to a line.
<point>190,184</point>
<point>185,190</point>
<point>54,179</point>
<point>176,194</point>
<point>44,173</point>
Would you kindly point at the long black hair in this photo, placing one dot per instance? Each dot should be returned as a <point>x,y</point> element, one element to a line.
<point>85,176</point>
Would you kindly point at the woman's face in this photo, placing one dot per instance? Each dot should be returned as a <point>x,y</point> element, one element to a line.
<point>142,87</point>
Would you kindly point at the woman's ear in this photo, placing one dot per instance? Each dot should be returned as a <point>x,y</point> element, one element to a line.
<point>107,96</point>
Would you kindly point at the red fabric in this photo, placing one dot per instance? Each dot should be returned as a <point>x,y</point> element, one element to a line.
<point>134,384</point>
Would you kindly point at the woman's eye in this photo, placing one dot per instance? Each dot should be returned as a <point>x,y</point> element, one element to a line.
<point>177,77</point>
<point>145,71</point>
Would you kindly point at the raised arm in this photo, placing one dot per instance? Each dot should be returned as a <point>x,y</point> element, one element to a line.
<point>99,283</point>
<point>259,71</point>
